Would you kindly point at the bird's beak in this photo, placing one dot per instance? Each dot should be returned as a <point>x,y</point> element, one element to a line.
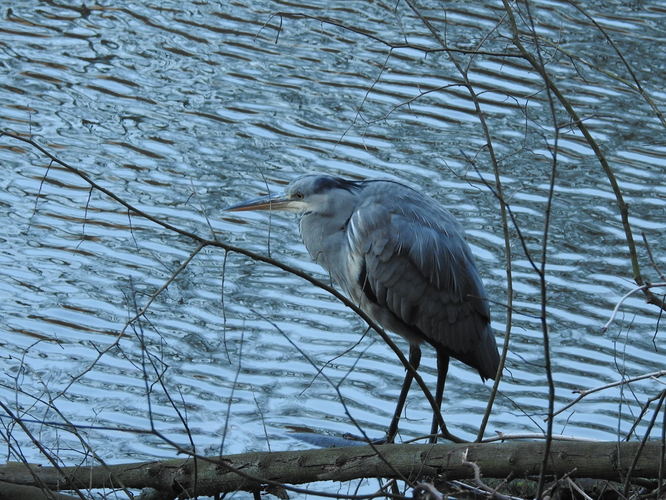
<point>272,202</point>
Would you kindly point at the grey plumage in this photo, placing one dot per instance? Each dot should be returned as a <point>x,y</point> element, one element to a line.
<point>401,257</point>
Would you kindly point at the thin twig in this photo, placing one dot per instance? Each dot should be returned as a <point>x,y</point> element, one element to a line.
<point>648,99</point>
<point>625,297</point>
<point>627,481</point>
<point>572,484</point>
<point>483,487</point>
<point>544,257</point>
<point>648,249</point>
<point>230,400</point>
<point>584,393</point>
<point>393,45</point>
<point>641,414</point>
<point>533,436</point>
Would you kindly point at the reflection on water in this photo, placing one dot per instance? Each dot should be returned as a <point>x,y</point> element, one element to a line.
<point>185,108</point>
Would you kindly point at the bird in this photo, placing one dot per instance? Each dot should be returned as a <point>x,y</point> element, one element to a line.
<point>402,258</point>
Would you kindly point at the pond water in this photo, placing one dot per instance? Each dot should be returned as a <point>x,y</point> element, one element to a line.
<point>183,108</point>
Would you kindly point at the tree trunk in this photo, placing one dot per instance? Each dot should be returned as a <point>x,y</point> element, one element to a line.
<point>252,471</point>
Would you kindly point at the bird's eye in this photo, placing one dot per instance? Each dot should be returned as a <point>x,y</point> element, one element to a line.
<point>298,195</point>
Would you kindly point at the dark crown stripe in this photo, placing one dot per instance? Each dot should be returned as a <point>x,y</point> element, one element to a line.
<point>325,184</point>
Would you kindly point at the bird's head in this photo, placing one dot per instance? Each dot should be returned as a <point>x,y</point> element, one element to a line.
<point>321,194</point>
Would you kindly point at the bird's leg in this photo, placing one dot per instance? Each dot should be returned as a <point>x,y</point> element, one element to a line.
<point>414,360</point>
<point>442,370</point>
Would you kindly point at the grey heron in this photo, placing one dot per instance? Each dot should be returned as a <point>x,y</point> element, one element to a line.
<point>403,259</point>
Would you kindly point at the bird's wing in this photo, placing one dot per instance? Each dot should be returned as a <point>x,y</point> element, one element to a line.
<point>417,265</point>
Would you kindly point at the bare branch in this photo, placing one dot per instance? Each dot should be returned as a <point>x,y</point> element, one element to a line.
<point>391,45</point>
<point>585,393</point>
<point>591,141</point>
<point>625,297</point>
